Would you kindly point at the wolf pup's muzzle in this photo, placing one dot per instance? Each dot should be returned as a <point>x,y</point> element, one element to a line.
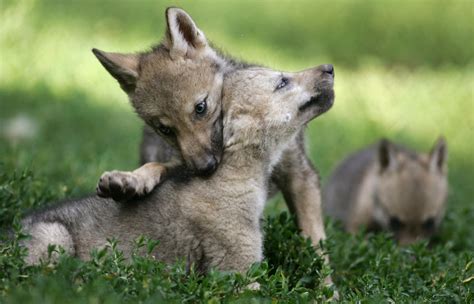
<point>324,87</point>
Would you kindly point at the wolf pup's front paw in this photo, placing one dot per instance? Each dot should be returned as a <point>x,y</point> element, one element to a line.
<point>123,186</point>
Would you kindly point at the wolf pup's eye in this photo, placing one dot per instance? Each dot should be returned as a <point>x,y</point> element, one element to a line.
<point>283,83</point>
<point>395,223</point>
<point>201,107</point>
<point>165,130</point>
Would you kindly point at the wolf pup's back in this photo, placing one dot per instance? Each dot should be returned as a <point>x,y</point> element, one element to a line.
<point>386,186</point>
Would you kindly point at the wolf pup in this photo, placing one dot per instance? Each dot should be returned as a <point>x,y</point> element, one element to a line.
<point>214,221</point>
<point>176,89</point>
<point>389,187</point>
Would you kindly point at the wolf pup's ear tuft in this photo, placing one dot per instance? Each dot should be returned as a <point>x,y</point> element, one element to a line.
<point>183,37</point>
<point>438,156</point>
<point>386,155</point>
<point>123,67</point>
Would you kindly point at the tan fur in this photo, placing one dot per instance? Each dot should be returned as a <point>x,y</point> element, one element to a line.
<point>183,71</point>
<point>390,187</point>
<point>168,86</point>
<point>211,222</point>
<point>131,184</point>
<point>46,234</point>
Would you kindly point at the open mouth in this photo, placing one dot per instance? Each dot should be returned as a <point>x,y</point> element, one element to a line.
<point>324,100</point>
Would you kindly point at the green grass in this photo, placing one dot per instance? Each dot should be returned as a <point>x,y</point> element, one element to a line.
<point>404,70</point>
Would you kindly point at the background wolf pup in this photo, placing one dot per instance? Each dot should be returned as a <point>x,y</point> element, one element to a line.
<point>387,186</point>
<point>176,90</point>
<point>218,228</point>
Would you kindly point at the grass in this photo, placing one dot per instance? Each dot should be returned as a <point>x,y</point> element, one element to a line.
<point>404,70</point>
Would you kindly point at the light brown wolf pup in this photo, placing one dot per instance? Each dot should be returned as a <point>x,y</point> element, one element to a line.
<point>177,90</point>
<point>389,187</point>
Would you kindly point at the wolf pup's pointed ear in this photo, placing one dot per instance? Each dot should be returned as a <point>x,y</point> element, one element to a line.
<point>386,155</point>
<point>438,156</point>
<point>183,37</point>
<point>123,67</point>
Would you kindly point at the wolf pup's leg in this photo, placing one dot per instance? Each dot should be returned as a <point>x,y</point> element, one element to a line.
<point>296,177</point>
<point>124,185</point>
<point>156,156</point>
<point>45,233</point>
<point>236,252</point>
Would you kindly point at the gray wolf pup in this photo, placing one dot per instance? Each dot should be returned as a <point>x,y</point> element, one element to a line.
<point>176,89</point>
<point>209,221</point>
<point>390,187</point>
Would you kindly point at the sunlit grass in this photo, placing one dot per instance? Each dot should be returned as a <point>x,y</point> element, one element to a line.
<point>404,71</point>
<point>50,41</point>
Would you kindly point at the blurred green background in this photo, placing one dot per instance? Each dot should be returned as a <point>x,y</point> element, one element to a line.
<point>404,70</point>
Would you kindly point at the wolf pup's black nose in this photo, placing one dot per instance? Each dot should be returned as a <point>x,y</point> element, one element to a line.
<point>327,68</point>
<point>209,167</point>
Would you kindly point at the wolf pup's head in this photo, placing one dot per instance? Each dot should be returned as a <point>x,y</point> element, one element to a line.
<point>265,108</point>
<point>411,191</point>
<point>176,89</point>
